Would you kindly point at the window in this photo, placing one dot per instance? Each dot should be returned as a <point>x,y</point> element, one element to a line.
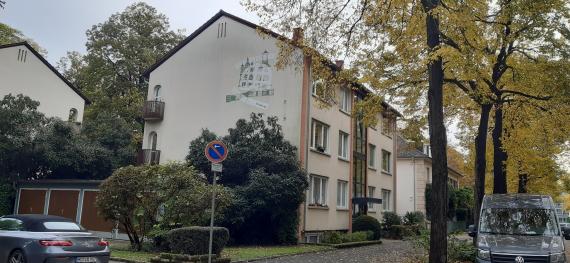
<point>453,183</point>
<point>371,155</point>
<point>72,115</point>
<point>386,200</point>
<point>62,226</point>
<point>345,100</point>
<point>386,161</point>
<point>153,138</point>
<point>319,136</point>
<point>371,193</point>
<point>318,190</point>
<point>157,95</point>
<point>318,88</point>
<point>386,126</point>
<point>342,194</point>
<point>11,224</point>
<point>343,145</point>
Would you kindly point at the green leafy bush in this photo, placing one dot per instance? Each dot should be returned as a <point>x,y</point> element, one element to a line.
<point>354,237</point>
<point>367,223</point>
<point>6,197</point>
<point>413,218</point>
<point>460,250</point>
<point>332,237</point>
<point>194,240</point>
<point>390,219</point>
<point>402,231</point>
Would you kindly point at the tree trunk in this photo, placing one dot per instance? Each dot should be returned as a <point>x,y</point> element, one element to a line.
<point>438,141</point>
<point>523,180</point>
<point>499,154</point>
<point>481,160</point>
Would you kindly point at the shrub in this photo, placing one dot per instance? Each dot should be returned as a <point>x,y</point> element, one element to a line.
<point>413,218</point>
<point>402,231</point>
<point>367,223</point>
<point>332,237</point>
<point>354,237</point>
<point>195,240</point>
<point>460,250</point>
<point>6,197</point>
<point>391,219</point>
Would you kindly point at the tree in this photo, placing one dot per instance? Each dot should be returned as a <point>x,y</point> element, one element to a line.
<point>114,134</point>
<point>119,50</point>
<point>63,153</point>
<point>135,195</point>
<point>263,172</point>
<point>9,35</point>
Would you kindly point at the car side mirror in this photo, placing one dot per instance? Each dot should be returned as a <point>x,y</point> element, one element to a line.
<point>472,231</point>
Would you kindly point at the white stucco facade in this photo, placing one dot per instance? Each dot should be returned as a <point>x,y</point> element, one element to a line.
<point>23,71</point>
<point>203,84</point>
<point>413,176</point>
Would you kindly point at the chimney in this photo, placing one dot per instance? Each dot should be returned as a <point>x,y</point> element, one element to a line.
<point>339,64</point>
<point>297,34</point>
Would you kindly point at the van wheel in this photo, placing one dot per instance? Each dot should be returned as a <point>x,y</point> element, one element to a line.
<point>17,257</point>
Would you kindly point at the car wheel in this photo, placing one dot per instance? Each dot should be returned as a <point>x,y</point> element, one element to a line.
<point>17,257</point>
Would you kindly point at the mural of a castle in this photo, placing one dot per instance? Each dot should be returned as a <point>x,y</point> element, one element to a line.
<point>254,80</point>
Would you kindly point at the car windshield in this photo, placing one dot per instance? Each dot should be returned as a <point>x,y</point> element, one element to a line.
<point>519,221</point>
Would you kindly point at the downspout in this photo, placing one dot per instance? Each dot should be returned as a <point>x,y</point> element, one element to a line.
<point>414,172</point>
<point>306,94</point>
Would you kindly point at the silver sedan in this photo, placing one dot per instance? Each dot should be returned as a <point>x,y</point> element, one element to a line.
<point>48,239</point>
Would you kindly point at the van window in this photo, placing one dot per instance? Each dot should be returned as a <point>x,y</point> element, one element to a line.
<point>519,221</point>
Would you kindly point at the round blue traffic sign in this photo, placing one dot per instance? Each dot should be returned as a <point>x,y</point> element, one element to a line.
<point>216,151</point>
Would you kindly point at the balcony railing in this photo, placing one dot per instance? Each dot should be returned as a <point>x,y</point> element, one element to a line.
<point>153,110</point>
<point>148,156</point>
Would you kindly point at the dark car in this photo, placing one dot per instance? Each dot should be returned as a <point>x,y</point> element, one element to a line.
<point>565,227</point>
<point>518,228</point>
<point>48,239</point>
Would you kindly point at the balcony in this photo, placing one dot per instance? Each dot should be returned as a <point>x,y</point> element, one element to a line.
<point>148,156</point>
<point>153,110</point>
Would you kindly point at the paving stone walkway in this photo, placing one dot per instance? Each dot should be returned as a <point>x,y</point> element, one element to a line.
<point>388,251</point>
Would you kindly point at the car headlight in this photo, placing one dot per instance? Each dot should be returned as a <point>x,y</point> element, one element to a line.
<point>557,245</point>
<point>557,258</point>
<point>484,254</point>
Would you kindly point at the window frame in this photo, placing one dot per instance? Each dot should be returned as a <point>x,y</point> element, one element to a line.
<point>324,144</point>
<point>343,145</point>
<point>386,201</point>
<point>386,128</point>
<point>345,103</point>
<point>342,194</point>
<point>371,192</point>
<point>323,181</point>
<point>371,156</point>
<point>388,163</point>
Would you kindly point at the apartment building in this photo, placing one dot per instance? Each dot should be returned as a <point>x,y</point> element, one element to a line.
<point>24,71</point>
<point>225,70</point>
<point>414,173</point>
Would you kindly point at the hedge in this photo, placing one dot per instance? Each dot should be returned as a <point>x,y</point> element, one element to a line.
<point>194,240</point>
<point>367,223</point>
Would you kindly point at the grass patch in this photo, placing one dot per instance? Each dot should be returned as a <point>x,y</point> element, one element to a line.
<point>248,253</point>
<point>235,253</point>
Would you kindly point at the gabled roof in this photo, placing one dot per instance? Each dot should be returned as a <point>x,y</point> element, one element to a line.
<point>198,31</point>
<point>43,60</point>
<point>254,26</point>
<point>407,151</point>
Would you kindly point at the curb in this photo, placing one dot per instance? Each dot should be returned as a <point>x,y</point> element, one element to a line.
<point>125,260</point>
<point>280,256</point>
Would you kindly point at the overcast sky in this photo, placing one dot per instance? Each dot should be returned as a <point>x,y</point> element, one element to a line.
<point>60,25</point>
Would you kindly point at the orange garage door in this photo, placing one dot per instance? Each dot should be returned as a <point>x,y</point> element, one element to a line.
<point>89,217</point>
<point>32,201</point>
<point>63,203</point>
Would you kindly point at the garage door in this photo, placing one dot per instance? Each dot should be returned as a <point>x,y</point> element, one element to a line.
<point>89,217</point>
<point>63,203</point>
<point>31,201</point>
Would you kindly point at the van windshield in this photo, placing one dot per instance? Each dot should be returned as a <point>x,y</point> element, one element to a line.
<point>519,221</point>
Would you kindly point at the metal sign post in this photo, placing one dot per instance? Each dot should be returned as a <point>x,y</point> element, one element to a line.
<point>216,152</point>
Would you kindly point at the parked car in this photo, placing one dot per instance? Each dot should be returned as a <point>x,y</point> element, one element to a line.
<point>565,227</point>
<point>45,239</point>
<point>518,228</point>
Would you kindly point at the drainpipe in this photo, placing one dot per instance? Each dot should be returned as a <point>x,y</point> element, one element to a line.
<point>414,161</point>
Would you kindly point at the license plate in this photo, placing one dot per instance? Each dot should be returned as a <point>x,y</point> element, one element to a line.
<point>85,260</point>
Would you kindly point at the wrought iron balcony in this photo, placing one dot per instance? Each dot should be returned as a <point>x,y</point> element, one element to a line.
<point>153,110</point>
<point>148,156</point>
